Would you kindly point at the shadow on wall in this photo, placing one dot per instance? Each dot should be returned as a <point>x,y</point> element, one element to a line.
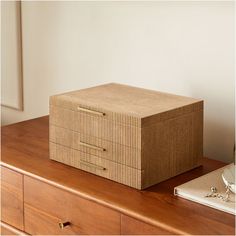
<point>219,140</point>
<point>219,119</point>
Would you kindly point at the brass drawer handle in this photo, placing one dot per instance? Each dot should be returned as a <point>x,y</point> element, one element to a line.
<point>92,165</point>
<point>62,225</point>
<point>92,146</point>
<point>91,111</point>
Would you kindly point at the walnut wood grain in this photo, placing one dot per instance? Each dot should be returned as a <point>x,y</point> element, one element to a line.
<point>25,149</point>
<point>38,222</point>
<point>6,229</point>
<point>86,217</point>
<point>12,198</point>
<point>131,226</point>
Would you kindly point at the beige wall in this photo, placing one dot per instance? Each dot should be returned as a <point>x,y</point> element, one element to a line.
<point>179,47</point>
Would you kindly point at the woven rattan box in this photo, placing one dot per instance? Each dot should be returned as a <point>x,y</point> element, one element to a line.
<point>133,136</point>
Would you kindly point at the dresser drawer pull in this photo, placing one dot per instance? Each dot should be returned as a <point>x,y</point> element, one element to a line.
<point>92,146</point>
<point>62,225</point>
<point>92,165</point>
<point>91,111</point>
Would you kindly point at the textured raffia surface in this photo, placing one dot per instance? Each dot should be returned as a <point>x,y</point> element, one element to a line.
<point>134,148</point>
<point>113,151</point>
<point>109,169</point>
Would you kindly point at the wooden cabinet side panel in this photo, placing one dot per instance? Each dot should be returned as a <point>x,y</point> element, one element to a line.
<point>12,198</point>
<point>131,226</point>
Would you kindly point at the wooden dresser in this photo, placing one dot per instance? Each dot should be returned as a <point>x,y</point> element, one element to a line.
<point>41,196</point>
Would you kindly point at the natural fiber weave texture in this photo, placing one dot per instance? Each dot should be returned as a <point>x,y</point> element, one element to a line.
<point>128,146</point>
<point>115,152</point>
<point>114,171</point>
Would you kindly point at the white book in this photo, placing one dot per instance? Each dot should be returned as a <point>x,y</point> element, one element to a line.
<point>196,190</point>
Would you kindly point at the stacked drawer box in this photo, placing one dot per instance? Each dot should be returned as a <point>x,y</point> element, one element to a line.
<point>117,132</point>
<point>96,144</point>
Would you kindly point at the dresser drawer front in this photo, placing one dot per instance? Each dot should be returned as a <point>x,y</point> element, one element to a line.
<point>12,198</point>
<point>131,226</point>
<point>43,200</point>
<point>40,222</point>
<point>95,146</point>
<point>96,126</point>
<point>96,165</point>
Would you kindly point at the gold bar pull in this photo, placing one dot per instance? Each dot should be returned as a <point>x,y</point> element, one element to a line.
<point>91,111</point>
<point>62,225</point>
<point>92,165</point>
<point>92,146</point>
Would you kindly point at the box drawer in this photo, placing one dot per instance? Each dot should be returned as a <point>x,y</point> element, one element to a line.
<point>49,205</point>
<point>99,147</point>
<point>96,165</point>
<point>96,126</point>
<point>93,108</point>
<point>12,198</point>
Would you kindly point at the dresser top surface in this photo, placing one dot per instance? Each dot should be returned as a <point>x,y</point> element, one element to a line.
<point>128,100</point>
<point>25,148</point>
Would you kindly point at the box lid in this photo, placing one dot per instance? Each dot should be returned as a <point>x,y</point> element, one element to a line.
<point>147,106</point>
